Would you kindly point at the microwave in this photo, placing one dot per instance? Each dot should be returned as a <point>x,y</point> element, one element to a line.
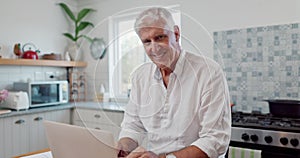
<point>44,93</point>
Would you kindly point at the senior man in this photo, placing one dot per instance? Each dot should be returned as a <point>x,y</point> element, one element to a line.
<point>179,102</point>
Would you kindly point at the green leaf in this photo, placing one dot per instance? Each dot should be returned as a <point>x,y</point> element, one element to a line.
<point>83,25</point>
<point>67,10</point>
<point>83,13</point>
<point>70,37</point>
<point>77,38</point>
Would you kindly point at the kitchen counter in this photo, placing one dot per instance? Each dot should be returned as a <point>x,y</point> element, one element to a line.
<point>109,106</point>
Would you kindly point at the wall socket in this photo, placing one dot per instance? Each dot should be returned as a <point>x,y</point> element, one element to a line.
<point>50,76</point>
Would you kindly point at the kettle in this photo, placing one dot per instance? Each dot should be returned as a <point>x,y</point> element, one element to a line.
<point>29,54</point>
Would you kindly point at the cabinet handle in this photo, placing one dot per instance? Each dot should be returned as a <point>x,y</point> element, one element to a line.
<point>38,119</point>
<point>20,121</point>
<point>98,128</point>
<point>97,116</point>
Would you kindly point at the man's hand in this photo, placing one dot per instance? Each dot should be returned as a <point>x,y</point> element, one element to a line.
<point>125,146</point>
<point>140,152</point>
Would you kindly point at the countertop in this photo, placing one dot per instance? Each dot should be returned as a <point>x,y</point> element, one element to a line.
<point>109,106</point>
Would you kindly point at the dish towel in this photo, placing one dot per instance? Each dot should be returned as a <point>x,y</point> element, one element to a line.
<point>235,152</point>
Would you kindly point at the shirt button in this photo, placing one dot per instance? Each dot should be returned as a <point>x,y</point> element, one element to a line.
<point>166,110</point>
<point>167,104</point>
<point>165,122</point>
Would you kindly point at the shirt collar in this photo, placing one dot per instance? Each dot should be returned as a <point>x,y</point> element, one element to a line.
<point>178,68</point>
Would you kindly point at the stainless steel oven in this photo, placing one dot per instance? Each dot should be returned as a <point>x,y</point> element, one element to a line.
<point>276,137</point>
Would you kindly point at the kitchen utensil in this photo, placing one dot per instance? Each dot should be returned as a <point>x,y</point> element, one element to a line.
<point>4,111</point>
<point>29,54</point>
<point>98,48</point>
<point>52,56</point>
<point>284,107</point>
<point>17,50</point>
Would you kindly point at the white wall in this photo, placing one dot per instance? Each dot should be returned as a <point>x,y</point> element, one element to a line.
<point>213,15</point>
<point>41,22</point>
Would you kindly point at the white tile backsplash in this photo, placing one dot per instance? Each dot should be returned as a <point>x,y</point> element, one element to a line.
<point>3,77</point>
<point>10,74</point>
<point>39,76</point>
<point>10,69</point>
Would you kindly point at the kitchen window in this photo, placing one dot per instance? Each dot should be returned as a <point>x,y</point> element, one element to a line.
<point>126,51</point>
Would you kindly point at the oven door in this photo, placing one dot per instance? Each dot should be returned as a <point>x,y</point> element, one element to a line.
<point>269,151</point>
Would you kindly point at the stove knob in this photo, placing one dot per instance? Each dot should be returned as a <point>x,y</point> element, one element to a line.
<point>284,141</point>
<point>254,138</point>
<point>245,136</point>
<point>294,142</point>
<point>268,139</point>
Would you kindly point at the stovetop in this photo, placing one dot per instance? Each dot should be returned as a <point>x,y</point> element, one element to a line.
<point>265,121</point>
<point>266,130</point>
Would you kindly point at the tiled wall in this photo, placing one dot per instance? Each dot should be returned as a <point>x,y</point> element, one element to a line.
<point>260,63</point>
<point>10,74</point>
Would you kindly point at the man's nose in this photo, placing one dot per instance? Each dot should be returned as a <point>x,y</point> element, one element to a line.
<point>154,47</point>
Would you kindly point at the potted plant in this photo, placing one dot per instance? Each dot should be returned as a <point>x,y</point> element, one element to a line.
<point>79,25</point>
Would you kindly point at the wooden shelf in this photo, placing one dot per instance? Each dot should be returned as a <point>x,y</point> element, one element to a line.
<point>42,62</point>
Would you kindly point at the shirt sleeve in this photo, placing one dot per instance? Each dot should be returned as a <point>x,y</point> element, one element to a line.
<point>132,126</point>
<point>215,116</point>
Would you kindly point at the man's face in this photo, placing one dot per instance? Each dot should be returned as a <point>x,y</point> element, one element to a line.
<point>160,45</point>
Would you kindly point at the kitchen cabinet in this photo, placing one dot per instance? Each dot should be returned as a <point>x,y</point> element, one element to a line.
<point>15,131</point>
<point>99,119</point>
<point>24,133</point>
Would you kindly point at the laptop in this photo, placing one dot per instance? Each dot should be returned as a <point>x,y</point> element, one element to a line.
<point>69,141</point>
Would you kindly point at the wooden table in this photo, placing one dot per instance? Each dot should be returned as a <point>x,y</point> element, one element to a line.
<point>33,153</point>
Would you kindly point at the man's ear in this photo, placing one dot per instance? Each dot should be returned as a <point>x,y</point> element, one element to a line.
<point>177,33</point>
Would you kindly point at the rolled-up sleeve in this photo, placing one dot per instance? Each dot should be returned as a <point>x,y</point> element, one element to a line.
<point>214,116</point>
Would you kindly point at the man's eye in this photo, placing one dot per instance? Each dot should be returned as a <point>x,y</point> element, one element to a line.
<point>161,37</point>
<point>145,42</point>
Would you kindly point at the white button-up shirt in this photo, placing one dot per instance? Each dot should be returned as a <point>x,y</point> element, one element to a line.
<point>193,109</point>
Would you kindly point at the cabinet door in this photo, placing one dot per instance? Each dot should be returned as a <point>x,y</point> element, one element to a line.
<point>16,139</point>
<point>37,133</point>
<point>115,130</point>
<point>37,137</point>
<point>2,136</point>
<point>98,116</point>
<point>90,116</point>
<point>99,119</point>
<point>63,116</point>
<point>25,133</point>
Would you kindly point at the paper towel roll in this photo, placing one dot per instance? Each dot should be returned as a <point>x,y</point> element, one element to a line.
<point>235,152</point>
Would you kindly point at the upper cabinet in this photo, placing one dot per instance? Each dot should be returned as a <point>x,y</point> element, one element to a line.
<point>54,63</point>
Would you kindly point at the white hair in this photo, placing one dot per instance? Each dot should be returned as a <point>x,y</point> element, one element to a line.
<point>154,17</point>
